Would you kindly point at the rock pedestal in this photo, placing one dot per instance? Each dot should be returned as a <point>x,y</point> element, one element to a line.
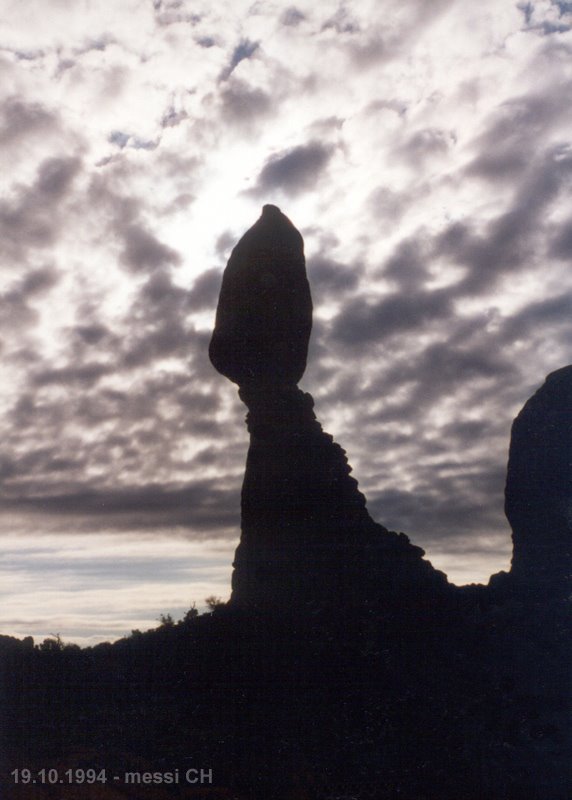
<point>307,538</point>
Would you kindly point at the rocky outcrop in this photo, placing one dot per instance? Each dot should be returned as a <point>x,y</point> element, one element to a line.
<point>538,496</point>
<point>307,538</point>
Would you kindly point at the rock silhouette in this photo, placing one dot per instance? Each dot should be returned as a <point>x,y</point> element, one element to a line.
<point>264,314</point>
<point>307,538</point>
<point>539,488</point>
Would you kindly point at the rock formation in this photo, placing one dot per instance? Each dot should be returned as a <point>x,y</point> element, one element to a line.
<point>307,538</point>
<point>539,488</point>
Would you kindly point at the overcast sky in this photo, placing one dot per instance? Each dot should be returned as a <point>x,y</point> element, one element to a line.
<point>423,149</point>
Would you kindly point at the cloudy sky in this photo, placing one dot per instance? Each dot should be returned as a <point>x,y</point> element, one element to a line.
<point>424,152</point>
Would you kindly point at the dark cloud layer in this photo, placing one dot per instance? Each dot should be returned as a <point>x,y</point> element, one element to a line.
<point>20,119</point>
<point>33,217</point>
<point>329,277</point>
<point>510,141</point>
<point>292,16</point>
<point>295,170</point>
<point>203,506</point>
<point>424,144</point>
<point>242,103</point>
<point>561,246</point>
<point>204,293</point>
<point>17,311</point>
<point>143,251</point>
<point>363,321</point>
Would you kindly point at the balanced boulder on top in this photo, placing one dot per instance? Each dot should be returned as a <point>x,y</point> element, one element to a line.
<point>264,314</point>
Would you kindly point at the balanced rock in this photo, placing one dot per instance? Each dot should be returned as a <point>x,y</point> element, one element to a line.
<point>538,495</point>
<point>264,314</point>
<point>307,539</point>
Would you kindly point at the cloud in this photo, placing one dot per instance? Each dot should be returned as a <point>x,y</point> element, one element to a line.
<point>107,438</point>
<point>92,334</point>
<point>38,282</point>
<point>295,170</point>
<point>387,204</point>
<point>509,241</point>
<point>244,50</point>
<point>329,277</point>
<point>158,326</point>
<point>156,342</point>
<point>362,321</point>
<point>426,143</point>
<point>440,369</point>
<point>407,267</point>
<point>205,291</point>
<point>34,217</point>
<point>547,18</point>
<point>20,119</point>
<point>55,176</point>
<point>545,315</point>
<point>292,17</point>
<point>561,246</point>
<point>143,252</point>
<point>202,506</point>
<point>16,304</point>
<point>241,103</point>
<point>342,22</point>
<point>86,374</point>
<point>509,145</point>
<point>173,117</point>
<point>469,512</point>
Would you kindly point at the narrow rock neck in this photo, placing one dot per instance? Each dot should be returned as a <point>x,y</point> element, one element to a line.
<point>278,411</point>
